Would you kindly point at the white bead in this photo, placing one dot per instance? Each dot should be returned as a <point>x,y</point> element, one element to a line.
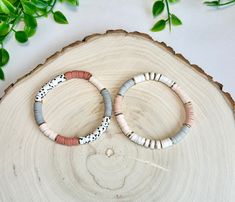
<point>138,141</point>
<point>166,143</point>
<point>166,81</point>
<point>152,75</point>
<point>157,77</point>
<point>134,138</point>
<point>142,141</point>
<point>52,135</point>
<point>146,76</point>
<point>139,78</point>
<point>158,144</point>
<point>152,144</point>
<point>147,142</point>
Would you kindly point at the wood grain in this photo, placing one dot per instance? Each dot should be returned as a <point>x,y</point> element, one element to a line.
<point>200,168</point>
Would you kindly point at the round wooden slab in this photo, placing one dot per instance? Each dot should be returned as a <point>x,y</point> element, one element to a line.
<point>200,168</point>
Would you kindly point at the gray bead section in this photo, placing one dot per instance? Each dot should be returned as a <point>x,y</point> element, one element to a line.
<point>38,113</point>
<point>124,88</point>
<point>180,135</point>
<point>107,102</point>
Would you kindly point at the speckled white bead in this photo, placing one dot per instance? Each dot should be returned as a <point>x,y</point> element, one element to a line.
<point>96,133</point>
<point>49,86</point>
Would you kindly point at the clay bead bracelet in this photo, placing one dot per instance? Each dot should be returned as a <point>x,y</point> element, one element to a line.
<point>151,143</point>
<point>38,115</point>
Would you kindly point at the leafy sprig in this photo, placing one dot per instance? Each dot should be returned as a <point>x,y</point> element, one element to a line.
<point>12,12</point>
<point>218,3</point>
<point>157,9</point>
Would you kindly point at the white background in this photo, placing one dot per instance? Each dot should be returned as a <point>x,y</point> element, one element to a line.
<point>207,37</point>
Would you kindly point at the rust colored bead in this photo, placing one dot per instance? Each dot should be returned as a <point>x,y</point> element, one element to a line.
<point>87,75</point>
<point>69,141</point>
<point>74,74</point>
<point>60,139</point>
<point>66,141</point>
<point>80,74</point>
<point>75,141</point>
<point>68,75</point>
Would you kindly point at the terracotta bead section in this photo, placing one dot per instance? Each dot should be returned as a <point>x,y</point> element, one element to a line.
<point>151,143</point>
<point>77,74</point>
<point>70,141</point>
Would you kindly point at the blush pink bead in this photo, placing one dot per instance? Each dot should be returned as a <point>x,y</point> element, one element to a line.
<point>96,83</point>
<point>183,96</point>
<point>118,104</point>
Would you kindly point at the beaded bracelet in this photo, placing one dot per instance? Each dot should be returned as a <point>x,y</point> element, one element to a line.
<point>151,143</point>
<point>38,115</point>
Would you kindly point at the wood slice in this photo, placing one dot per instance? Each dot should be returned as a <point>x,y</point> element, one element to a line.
<point>200,168</point>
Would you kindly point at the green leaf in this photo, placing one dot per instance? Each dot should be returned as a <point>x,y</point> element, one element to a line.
<point>73,2</point>
<point>175,20</point>
<point>12,1</point>
<point>29,31</point>
<point>30,21</point>
<point>40,3</point>
<point>7,7</point>
<point>59,17</point>
<point>3,17</point>
<point>21,36</point>
<point>2,77</point>
<point>4,28</point>
<point>42,11</point>
<point>212,3</point>
<point>158,26</point>
<point>28,7</point>
<point>173,1</point>
<point>158,7</point>
<point>4,57</point>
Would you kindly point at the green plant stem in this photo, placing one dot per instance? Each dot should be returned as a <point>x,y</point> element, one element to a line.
<point>168,13</point>
<point>50,10</point>
<point>219,3</point>
<point>226,3</point>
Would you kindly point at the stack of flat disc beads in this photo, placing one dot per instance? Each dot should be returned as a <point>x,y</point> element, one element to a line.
<point>151,143</point>
<point>38,115</point>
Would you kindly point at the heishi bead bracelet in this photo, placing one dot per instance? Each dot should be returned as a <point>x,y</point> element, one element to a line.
<point>151,143</point>
<point>38,115</point>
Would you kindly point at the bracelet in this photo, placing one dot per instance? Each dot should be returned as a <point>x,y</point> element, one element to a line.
<point>38,115</point>
<point>151,143</point>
